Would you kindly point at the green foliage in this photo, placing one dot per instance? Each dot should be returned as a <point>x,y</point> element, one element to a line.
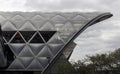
<point>97,64</point>
<point>65,68</point>
<point>100,64</point>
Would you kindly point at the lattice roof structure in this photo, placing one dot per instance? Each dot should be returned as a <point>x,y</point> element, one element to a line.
<point>33,41</point>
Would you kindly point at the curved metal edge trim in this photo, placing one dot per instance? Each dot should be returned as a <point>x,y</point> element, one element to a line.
<point>100,18</point>
<point>97,19</point>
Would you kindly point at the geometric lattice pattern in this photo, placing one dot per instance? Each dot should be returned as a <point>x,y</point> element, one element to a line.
<point>35,38</point>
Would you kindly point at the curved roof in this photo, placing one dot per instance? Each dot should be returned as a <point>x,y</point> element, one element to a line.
<point>96,19</point>
<point>36,40</point>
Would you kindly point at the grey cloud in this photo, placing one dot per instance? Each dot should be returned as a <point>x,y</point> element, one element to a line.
<point>91,41</point>
<point>42,5</point>
<point>61,5</point>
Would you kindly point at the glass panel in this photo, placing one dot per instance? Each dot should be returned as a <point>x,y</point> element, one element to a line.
<point>27,34</point>
<point>47,34</point>
<point>37,39</point>
<point>8,34</point>
<point>17,39</point>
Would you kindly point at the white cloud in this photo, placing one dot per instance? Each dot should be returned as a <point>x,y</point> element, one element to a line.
<point>12,5</point>
<point>103,37</point>
<point>50,5</point>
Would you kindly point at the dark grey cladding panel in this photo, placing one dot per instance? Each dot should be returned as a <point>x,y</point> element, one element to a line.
<point>35,37</point>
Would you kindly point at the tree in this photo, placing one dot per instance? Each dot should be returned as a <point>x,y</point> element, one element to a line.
<point>100,63</point>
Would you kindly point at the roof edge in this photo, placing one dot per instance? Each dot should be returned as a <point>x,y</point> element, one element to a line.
<point>97,19</point>
<point>100,18</point>
<point>49,12</point>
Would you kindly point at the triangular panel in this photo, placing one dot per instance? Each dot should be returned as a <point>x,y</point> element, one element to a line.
<point>45,52</point>
<point>18,20</point>
<point>47,27</point>
<point>16,65</point>
<point>77,26</point>
<point>48,16</point>
<point>38,21</point>
<point>8,26</point>
<point>17,48</point>
<point>2,19</point>
<point>8,35</point>
<point>36,48</point>
<point>7,15</point>
<point>90,16</point>
<point>35,65</point>
<point>69,16</point>
<point>55,47</point>
<point>58,19</point>
<point>38,18</point>
<point>26,52</point>
<point>47,34</point>
<point>27,34</point>
<point>37,39</point>
<point>17,39</point>
<point>67,31</point>
<point>26,61</point>
<point>56,39</point>
<point>27,27</point>
<point>43,60</point>
<point>79,18</point>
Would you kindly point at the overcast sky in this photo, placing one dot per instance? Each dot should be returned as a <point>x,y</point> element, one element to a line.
<point>100,38</point>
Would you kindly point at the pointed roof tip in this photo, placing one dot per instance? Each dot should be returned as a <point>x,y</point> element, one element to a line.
<point>100,18</point>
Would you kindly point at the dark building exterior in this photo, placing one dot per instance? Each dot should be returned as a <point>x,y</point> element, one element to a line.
<point>36,41</point>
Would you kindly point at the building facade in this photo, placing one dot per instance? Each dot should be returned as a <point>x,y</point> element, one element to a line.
<point>35,41</point>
